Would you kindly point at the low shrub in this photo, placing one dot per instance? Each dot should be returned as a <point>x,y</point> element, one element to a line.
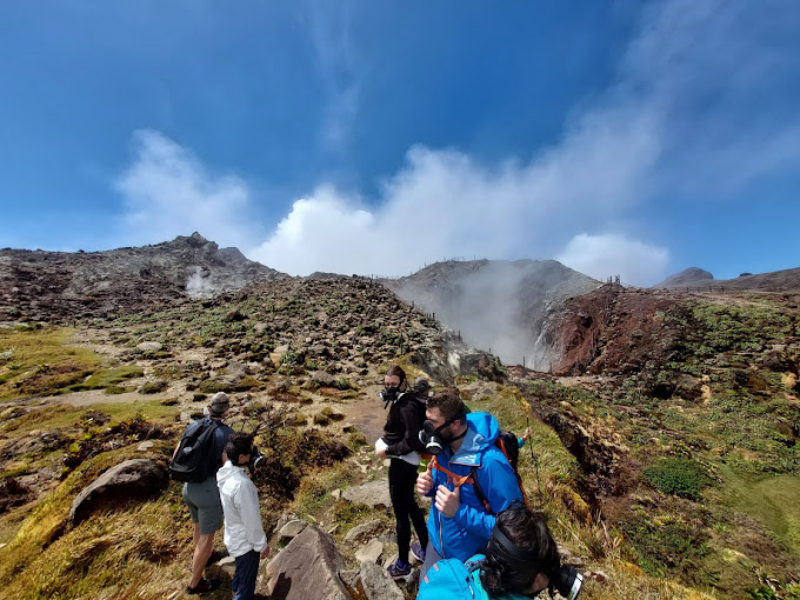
<point>682,477</point>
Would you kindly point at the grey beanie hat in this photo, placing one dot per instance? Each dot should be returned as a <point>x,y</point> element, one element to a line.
<point>219,404</point>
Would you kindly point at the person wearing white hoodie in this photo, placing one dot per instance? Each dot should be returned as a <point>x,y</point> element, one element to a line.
<point>244,533</point>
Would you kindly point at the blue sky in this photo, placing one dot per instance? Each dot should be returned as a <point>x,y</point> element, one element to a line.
<point>371,136</point>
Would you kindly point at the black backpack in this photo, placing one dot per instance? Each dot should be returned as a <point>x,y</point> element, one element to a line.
<point>194,461</point>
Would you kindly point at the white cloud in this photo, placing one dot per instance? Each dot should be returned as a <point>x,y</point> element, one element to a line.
<point>680,117</point>
<point>685,113</point>
<point>604,256</point>
<point>167,192</point>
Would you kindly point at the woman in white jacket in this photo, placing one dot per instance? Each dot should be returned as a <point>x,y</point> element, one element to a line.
<point>244,534</point>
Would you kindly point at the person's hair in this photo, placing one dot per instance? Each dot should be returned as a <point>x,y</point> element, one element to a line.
<point>528,532</point>
<point>238,445</point>
<point>395,371</point>
<point>448,402</point>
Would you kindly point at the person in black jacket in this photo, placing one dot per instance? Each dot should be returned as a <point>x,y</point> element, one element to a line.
<point>400,442</point>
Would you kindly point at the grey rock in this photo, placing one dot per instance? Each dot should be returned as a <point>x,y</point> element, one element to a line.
<point>138,478</point>
<point>363,530</point>
<point>351,578</point>
<point>374,494</point>
<point>322,379</point>
<point>307,568</point>
<point>371,552</point>
<point>148,347</point>
<point>292,529</point>
<point>378,584</point>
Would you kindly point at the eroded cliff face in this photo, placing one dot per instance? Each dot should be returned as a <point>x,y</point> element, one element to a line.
<point>498,306</point>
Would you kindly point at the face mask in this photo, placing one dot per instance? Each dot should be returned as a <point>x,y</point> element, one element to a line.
<point>255,458</point>
<point>389,395</point>
<point>434,439</point>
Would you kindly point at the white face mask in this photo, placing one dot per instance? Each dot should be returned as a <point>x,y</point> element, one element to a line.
<point>206,412</point>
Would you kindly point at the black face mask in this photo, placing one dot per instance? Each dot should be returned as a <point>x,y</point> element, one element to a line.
<point>433,438</point>
<point>390,394</point>
<point>255,458</point>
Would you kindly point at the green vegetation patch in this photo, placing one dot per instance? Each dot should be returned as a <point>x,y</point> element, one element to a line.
<point>109,377</point>
<point>682,477</point>
<point>772,500</point>
<point>39,361</point>
<point>60,415</point>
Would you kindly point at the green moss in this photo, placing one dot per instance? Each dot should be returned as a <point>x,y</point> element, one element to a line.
<point>109,377</point>
<point>679,476</point>
<point>39,361</point>
<point>772,500</point>
<point>153,387</point>
<point>118,389</point>
<point>59,415</point>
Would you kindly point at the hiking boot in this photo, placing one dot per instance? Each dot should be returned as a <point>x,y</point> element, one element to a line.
<point>204,587</point>
<point>399,570</point>
<point>418,552</point>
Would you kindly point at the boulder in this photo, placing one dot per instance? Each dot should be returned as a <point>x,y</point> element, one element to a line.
<point>306,568</point>
<point>322,379</point>
<point>148,347</point>
<point>291,530</point>
<point>234,373</point>
<point>378,584</point>
<point>133,479</point>
<point>370,553</point>
<point>362,530</point>
<point>374,494</point>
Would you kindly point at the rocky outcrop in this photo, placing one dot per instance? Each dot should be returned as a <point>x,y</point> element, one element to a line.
<point>132,479</point>
<point>39,285</point>
<point>306,568</point>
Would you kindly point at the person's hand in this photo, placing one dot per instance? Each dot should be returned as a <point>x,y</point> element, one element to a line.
<point>526,435</point>
<point>446,501</point>
<point>264,552</point>
<point>381,448</point>
<point>424,482</point>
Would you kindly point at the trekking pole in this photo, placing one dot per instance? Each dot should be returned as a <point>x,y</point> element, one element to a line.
<point>535,461</point>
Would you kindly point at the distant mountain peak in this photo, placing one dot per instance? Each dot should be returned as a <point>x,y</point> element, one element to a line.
<point>690,275</point>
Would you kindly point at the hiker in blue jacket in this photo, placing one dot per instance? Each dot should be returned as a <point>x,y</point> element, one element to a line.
<point>459,523</point>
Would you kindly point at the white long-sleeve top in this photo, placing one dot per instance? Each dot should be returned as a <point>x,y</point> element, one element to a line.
<point>243,529</point>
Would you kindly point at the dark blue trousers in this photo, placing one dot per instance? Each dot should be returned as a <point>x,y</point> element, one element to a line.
<point>244,579</point>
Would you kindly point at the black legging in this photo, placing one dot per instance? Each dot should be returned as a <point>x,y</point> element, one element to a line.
<point>402,480</point>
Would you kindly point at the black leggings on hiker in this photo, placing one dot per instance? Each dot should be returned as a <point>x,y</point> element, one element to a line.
<point>402,481</point>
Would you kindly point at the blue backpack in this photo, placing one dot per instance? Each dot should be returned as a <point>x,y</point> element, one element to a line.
<point>453,580</point>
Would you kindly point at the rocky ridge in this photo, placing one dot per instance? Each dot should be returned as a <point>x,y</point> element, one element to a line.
<point>58,286</point>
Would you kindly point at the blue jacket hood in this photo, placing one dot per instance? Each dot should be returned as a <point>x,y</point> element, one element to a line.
<point>482,432</point>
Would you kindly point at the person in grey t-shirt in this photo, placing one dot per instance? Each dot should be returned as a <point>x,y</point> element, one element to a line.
<point>205,506</point>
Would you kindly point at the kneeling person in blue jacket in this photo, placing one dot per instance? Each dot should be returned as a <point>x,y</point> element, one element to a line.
<point>244,534</point>
<point>459,524</point>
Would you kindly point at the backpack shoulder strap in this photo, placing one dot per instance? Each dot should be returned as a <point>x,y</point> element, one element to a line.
<point>458,480</point>
<point>476,486</point>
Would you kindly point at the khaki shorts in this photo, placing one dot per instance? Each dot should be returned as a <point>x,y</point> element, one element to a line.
<point>204,504</point>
